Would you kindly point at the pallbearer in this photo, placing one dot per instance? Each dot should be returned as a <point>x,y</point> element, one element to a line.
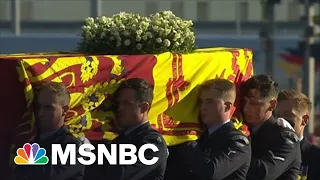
<point>51,106</point>
<point>133,101</point>
<point>222,152</point>
<point>295,107</point>
<point>275,149</point>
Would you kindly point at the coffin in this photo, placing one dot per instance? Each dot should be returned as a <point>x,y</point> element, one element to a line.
<point>92,80</point>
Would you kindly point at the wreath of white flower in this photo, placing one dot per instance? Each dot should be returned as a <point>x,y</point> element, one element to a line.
<point>129,33</point>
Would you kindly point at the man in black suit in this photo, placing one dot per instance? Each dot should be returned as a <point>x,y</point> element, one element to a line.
<point>51,106</point>
<point>275,150</point>
<point>223,152</point>
<point>132,102</point>
<point>295,107</point>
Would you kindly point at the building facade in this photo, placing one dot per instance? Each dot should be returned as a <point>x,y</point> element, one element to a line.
<point>197,10</point>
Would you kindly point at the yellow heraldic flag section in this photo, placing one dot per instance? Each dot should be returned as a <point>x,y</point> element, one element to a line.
<point>92,80</point>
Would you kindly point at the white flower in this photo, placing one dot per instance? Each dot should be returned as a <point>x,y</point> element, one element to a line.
<point>94,26</point>
<point>168,13</point>
<point>177,36</point>
<point>159,40</point>
<point>166,42</point>
<point>102,20</point>
<point>139,32</point>
<point>125,29</point>
<point>158,23</point>
<point>167,31</point>
<point>189,23</point>
<point>138,38</point>
<point>89,20</point>
<point>144,24</point>
<point>127,42</point>
<point>139,46</point>
<point>155,28</point>
<point>86,28</point>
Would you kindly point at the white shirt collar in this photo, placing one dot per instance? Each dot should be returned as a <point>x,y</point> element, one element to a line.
<point>301,138</point>
<point>215,128</point>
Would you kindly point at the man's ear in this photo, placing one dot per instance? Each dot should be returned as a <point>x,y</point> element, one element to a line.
<point>273,105</point>
<point>305,119</point>
<point>65,110</point>
<point>145,107</point>
<point>228,106</point>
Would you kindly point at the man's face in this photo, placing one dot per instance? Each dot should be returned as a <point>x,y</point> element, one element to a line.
<point>128,111</point>
<point>256,107</point>
<point>286,109</point>
<point>212,107</point>
<point>49,112</point>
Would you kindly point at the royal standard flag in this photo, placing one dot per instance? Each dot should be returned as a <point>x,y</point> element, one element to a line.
<point>92,80</point>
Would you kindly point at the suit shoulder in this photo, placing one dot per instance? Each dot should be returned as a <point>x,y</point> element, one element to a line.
<point>70,139</point>
<point>315,150</point>
<point>152,136</point>
<point>289,135</point>
<point>316,147</point>
<point>238,137</point>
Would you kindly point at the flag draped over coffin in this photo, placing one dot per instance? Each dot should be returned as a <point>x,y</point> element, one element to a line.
<point>92,80</point>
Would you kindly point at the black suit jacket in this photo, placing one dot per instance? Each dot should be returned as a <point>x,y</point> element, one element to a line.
<point>144,134</point>
<point>223,155</point>
<point>311,159</point>
<point>275,153</point>
<point>49,171</point>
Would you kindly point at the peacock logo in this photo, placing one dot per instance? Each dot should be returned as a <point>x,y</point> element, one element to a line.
<point>31,155</point>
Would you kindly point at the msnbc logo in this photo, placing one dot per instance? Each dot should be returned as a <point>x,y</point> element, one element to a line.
<point>31,155</point>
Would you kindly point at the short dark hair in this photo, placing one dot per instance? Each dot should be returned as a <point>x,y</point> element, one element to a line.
<point>59,90</point>
<point>264,83</point>
<point>224,86</point>
<point>144,91</point>
<point>302,101</point>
